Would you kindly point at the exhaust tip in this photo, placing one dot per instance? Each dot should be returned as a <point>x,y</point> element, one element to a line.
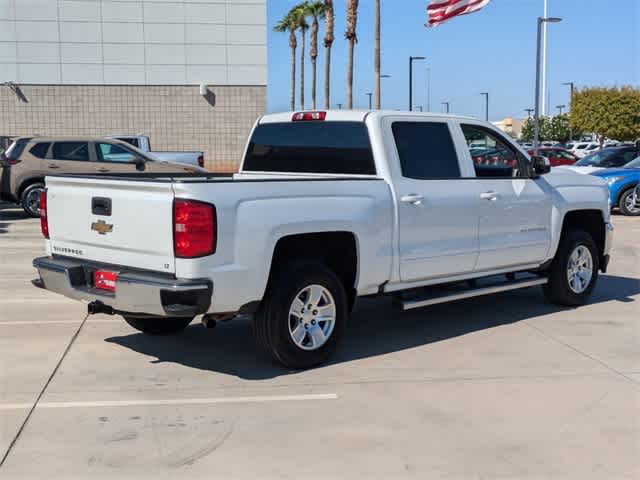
<point>97,307</point>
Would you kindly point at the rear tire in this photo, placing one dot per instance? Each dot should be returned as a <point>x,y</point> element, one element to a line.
<point>30,199</point>
<point>286,328</point>
<point>628,205</point>
<point>158,325</point>
<point>573,274</point>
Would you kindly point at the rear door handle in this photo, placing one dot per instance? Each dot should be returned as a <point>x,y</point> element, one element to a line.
<point>53,165</point>
<point>490,195</point>
<point>103,170</point>
<point>412,198</point>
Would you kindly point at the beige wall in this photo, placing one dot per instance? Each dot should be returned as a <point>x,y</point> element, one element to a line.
<point>175,117</point>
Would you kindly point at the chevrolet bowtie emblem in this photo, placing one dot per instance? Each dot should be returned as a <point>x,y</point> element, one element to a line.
<point>102,227</point>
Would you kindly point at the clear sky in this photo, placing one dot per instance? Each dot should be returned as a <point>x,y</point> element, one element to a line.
<point>493,50</point>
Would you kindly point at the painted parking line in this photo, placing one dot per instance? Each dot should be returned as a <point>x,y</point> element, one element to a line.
<point>170,402</point>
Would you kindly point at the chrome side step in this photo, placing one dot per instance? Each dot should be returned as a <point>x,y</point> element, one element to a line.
<point>476,292</point>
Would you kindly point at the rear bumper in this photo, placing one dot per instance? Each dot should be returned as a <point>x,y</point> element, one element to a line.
<point>136,292</point>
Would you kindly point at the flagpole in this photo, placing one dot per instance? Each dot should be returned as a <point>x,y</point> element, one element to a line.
<point>544,58</point>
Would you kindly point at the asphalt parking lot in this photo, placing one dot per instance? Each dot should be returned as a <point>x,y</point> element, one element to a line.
<point>503,387</point>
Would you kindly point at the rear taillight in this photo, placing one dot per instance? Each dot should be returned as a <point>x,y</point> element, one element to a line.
<point>44,222</point>
<point>308,116</point>
<point>201,161</point>
<point>6,161</point>
<point>194,228</point>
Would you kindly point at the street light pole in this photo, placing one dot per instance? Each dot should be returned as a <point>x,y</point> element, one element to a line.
<point>420,107</point>
<point>571,86</point>
<point>529,111</point>
<point>560,107</point>
<point>536,127</point>
<point>486,105</point>
<point>370,94</point>
<point>428,89</point>
<point>382,76</point>
<point>411,60</point>
<point>447,104</point>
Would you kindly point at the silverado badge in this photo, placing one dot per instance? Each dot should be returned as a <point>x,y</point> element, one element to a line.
<point>102,227</point>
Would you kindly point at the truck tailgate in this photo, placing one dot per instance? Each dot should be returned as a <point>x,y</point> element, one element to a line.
<point>137,231</point>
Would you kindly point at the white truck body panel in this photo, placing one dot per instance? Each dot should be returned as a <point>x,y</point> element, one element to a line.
<point>142,142</point>
<point>454,232</point>
<point>141,236</point>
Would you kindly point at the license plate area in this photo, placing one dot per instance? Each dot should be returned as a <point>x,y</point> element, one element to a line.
<point>105,280</point>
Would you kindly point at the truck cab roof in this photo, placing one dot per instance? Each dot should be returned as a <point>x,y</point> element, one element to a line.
<point>355,115</point>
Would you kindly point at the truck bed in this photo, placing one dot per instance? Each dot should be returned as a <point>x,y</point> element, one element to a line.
<point>252,215</point>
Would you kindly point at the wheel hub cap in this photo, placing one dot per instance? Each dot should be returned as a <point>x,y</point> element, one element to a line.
<point>580,269</point>
<point>312,317</point>
<point>33,200</point>
<point>631,203</point>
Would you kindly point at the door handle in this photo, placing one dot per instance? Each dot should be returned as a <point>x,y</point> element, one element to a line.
<point>412,198</point>
<point>53,165</point>
<point>490,195</point>
<point>103,170</point>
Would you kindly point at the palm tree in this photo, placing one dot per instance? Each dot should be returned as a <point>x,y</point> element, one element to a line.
<point>376,56</point>
<point>300,18</point>
<point>350,34</point>
<point>315,10</point>
<point>288,24</point>
<point>328,42</point>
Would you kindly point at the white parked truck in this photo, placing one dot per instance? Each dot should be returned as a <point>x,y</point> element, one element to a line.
<point>327,207</point>
<point>143,143</point>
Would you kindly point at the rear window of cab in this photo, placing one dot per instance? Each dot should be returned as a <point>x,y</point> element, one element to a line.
<point>310,147</point>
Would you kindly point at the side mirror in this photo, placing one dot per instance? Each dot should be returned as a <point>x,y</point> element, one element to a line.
<point>540,164</point>
<point>139,163</point>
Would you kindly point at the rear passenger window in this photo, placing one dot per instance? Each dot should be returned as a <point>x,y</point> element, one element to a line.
<point>16,148</point>
<point>75,151</point>
<point>311,147</point>
<point>426,150</point>
<point>39,150</point>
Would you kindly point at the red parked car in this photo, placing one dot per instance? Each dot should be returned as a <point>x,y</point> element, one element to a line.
<point>557,156</point>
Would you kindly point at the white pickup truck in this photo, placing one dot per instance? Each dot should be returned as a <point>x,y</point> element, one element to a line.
<point>143,143</point>
<point>327,207</point>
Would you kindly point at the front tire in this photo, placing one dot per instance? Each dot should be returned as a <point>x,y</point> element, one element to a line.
<point>573,274</point>
<point>303,315</point>
<point>158,325</point>
<point>628,203</point>
<point>30,199</point>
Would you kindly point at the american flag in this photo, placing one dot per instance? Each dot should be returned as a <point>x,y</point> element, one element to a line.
<point>440,11</point>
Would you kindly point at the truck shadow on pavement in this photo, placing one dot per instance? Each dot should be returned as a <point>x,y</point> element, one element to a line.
<point>9,213</point>
<point>376,329</point>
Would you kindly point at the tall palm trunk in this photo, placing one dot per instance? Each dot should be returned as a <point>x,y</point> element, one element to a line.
<point>328,42</point>
<point>293,44</point>
<point>314,57</point>
<point>376,58</point>
<point>302,48</point>
<point>350,35</point>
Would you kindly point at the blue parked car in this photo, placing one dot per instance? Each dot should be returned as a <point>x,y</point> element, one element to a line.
<point>622,183</point>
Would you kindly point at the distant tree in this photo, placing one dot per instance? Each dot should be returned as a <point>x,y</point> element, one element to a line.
<point>557,129</point>
<point>299,14</point>
<point>315,10</point>
<point>352,37</point>
<point>529,126</point>
<point>607,112</point>
<point>376,56</point>
<point>552,129</point>
<point>289,24</point>
<point>329,38</point>
<point>527,130</point>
